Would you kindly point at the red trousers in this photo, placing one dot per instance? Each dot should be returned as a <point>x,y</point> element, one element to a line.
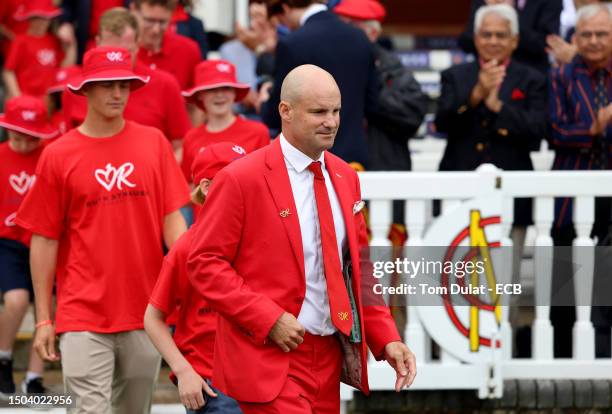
<point>313,382</point>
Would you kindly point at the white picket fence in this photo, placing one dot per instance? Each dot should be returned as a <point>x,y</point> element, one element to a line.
<point>419,189</point>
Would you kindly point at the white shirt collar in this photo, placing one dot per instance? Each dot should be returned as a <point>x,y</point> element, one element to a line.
<point>296,158</point>
<point>312,10</point>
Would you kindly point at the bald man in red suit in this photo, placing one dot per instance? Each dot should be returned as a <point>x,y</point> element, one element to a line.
<point>268,253</point>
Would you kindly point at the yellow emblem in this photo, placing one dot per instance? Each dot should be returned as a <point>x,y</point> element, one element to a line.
<point>343,316</point>
<point>285,213</point>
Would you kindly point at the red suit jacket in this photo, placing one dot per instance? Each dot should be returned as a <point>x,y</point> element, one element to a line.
<point>246,259</point>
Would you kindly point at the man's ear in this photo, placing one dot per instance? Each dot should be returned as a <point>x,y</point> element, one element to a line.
<point>285,110</point>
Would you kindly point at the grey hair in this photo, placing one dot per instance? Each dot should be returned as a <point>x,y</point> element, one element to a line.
<point>590,11</point>
<point>502,10</point>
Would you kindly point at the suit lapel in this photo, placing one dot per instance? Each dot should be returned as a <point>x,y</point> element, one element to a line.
<point>279,185</point>
<point>505,92</point>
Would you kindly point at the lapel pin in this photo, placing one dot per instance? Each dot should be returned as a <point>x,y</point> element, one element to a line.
<point>285,213</point>
<point>343,316</point>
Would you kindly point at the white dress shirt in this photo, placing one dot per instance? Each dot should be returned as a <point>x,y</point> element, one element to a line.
<point>314,315</point>
<point>312,10</point>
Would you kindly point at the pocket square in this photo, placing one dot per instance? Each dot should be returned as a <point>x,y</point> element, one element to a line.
<point>518,95</point>
<point>358,206</point>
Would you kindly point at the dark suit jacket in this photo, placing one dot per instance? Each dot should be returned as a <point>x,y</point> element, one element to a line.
<point>538,19</point>
<point>477,135</point>
<point>347,54</point>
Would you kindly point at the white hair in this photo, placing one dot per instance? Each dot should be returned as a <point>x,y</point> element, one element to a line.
<point>502,10</point>
<point>590,11</point>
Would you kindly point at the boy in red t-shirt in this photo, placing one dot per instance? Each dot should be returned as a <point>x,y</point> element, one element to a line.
<point>26,121</point>
<point>190,353</point>
<point>215,93</point>
<point>35,56</point>
<point>106,195</point>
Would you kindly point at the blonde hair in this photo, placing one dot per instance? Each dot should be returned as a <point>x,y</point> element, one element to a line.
<point>116,20</point>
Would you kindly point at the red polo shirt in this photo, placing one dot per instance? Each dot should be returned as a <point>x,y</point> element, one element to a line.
<point>158,104</point>
<point>178,56</point>
<point>7,10</point>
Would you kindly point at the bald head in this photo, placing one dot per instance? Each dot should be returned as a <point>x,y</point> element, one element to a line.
<point>310,109</point>
<point>305,80</point>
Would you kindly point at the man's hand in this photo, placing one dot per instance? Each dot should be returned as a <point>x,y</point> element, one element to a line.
<point>604,118</point>
<point>491,75</point>
<point>403,362</point>
<point>190,386</point>
<point>66,34</point>
<point>44,343</point>
<point>493,102</point>
<point>287,332</point>
<point>263,96</point>
<point>562,51</point>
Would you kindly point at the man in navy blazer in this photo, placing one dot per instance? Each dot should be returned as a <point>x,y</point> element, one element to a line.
<point>320,38</point>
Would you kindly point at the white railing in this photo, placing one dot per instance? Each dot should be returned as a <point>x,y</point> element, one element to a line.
<point>453,188</point>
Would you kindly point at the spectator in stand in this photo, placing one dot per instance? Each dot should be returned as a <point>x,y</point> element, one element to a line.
<point>320,38</point>
<point>80,20</point>
<point>189,352</point>
<point>563,50</point>
<point>27,125</point>
<point>493,110</point>
<point>111,192</point>
<point>215,92</point>
<point>185,24</point>
<point>161,48</point>
<point>158,103</point>
<point>537,20</point>
<point>580,114</point>
<point>401,103</point>
<point>35,56</point>
<point>251,43</point>
<point>9,27</point>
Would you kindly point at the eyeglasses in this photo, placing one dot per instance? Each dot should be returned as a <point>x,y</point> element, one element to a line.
<point>151,22</point>
<point>490,35</point>
<point>586,35</point>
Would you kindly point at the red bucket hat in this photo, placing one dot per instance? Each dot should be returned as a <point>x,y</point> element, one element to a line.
<point>106,64</point>
<point>28,115</point>
<point>36,8</point>
<point>361,10</point>
<point>212,74</point>
<point>212,158</point>
<point>62,77</point>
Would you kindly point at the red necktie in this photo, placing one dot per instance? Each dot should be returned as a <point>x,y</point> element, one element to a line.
<point>339,305</point>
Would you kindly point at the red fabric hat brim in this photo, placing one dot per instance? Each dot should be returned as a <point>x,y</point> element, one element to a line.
<point>242,90</point>
<point>27,14</point>
<point>137,82</point>
<point>47,131</point>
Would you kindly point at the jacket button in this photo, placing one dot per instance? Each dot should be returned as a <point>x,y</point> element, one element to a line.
<point>480,147</point>
<point>503,132</point>
<point>484,124</point>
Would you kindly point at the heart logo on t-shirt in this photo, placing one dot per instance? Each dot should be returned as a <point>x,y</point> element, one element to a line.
<point>9,221</point>
<point>109,176</point>
<point>46,57</point>
<point>238,150</point>
<point>22,182</point>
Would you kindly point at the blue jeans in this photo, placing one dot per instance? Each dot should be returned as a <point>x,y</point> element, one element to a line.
<point>220,405</point>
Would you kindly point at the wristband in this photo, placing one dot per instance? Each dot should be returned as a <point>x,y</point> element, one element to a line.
<point>43,323</point>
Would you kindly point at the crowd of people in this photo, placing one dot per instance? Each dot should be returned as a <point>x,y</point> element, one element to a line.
<point>117,125</point>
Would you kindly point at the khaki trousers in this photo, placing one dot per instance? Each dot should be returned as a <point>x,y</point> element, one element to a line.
<point>109,373</point>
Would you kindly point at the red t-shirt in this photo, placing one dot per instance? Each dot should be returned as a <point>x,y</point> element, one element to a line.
<point>35,61</point>
<point>17,174</point>
<point>158,104</point>
<point>105,200</point>
<point>98,7</point>
<point>7,10</point>
<point>250,135</point>
<point>178,55</point>
<point>196,323</point>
